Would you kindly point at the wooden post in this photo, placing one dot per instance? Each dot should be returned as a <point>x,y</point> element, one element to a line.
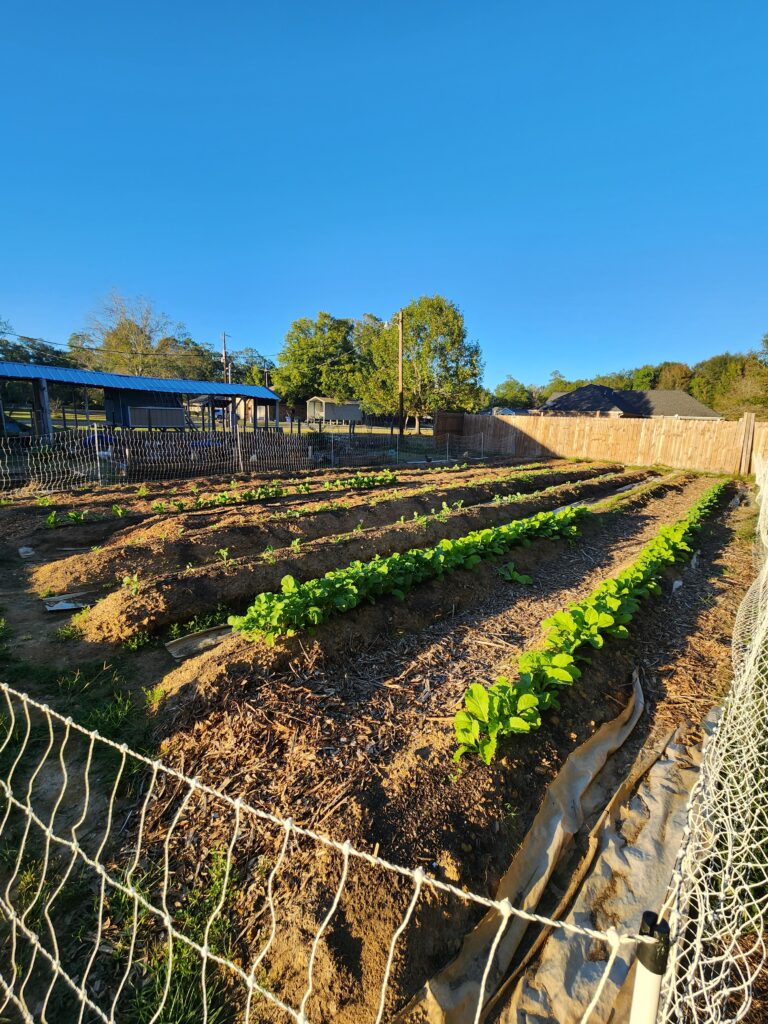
<point>400,368</point>
<point>747,442</point>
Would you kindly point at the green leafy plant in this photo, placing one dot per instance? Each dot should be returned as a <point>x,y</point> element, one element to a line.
<point>604,614</point>
<point>300,605</point>
<point>511,575</point>
<point>223,554</point>
<point>74,516</point>
<point>362,481</point>
<point>52,520</point>
<point>143,491</point>
<point>43,500</point>
<point>159,506</point>
<point>137,641</point>
<point>132,583</point>
<point>118,511</point>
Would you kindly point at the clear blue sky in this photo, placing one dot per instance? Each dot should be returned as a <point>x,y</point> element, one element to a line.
<point>588,181</point>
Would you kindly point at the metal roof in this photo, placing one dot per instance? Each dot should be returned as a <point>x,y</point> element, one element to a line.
<point>96,379</point>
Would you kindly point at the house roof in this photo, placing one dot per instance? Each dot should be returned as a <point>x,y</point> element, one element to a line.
<point>334,401</point>
<point>598,398</point>
<point>125,382</point>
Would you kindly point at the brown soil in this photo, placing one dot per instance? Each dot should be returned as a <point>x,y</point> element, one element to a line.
<point>178,597</point>
<point>195,538</point>
<point>354,738</point>
<point>23,520</point>
<point>349,731</point>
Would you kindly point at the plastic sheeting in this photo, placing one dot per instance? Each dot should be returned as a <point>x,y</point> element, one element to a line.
<point>636,840</point>
<point>451,996</point>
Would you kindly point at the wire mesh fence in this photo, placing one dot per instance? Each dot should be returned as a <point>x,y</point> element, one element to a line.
<point>133,892</point>
<point>719,898</point>
<point>103,455</point>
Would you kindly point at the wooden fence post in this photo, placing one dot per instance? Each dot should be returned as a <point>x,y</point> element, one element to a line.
<point>747,442</point>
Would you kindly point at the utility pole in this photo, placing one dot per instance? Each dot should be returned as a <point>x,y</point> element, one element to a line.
<point>400,367</point>
<point>224,361</point>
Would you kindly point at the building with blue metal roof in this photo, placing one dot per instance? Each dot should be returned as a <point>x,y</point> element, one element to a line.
<point>143,402</point>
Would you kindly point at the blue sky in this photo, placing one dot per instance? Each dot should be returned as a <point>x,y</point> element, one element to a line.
<point>587,181</point>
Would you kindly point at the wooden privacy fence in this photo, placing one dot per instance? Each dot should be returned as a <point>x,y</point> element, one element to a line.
<point>716,446</point>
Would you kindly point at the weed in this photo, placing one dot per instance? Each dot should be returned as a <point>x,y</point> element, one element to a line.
<point>132,583</point>
<point>108,719</point>
<point>154,697</point>
<point>66,633</point>
<point>224,556</point>
<point>137,641</point>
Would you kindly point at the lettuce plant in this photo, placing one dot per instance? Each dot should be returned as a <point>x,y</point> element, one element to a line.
<point>300,605</point>
<point>605,613</point>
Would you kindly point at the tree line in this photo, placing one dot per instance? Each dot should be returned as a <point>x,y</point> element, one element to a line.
<point>347,358</point>
<point>730,383</point>
<point>328,356</point>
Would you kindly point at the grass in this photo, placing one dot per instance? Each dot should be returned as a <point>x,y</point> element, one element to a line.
<point>217,617</point>
<point>196,910</point>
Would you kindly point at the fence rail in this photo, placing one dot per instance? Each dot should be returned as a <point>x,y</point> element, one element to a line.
<point>77,458</point>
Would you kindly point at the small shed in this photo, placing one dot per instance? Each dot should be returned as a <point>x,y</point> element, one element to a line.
<point>345,410</point>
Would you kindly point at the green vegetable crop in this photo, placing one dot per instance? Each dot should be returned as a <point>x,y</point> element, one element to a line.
<point>299,605</point>
<point>513,707</point>
<point>362,481</point>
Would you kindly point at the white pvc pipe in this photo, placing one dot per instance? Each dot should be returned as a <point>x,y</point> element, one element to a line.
<point>649,970</point>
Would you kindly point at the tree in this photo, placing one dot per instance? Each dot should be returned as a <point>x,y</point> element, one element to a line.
<point>441,369</point>
<point>558,383</point>
<point>513,394</point>
<point>249,366</point>
<point>131,336</point>
<point>644,378</point>
<point>674,376</point>
<point>318,357</point>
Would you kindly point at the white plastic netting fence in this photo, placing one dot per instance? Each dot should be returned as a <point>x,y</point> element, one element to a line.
<point>718,902</point>
<point>102,455</point>
<point>132,893</point>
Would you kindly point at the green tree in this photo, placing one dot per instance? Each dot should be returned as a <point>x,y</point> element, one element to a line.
<point>644,378</point>
<point>249,366</point>
<point>130,336</point>
<point>558,383</point>
<point>674,376</point>
<point>441,369</point>
<point>512,394</point>
<point>318,357</point>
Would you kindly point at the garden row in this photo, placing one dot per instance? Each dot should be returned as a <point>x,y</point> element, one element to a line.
<point>145,606</point>
<point>509,707</point>
<point>195,539</point>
